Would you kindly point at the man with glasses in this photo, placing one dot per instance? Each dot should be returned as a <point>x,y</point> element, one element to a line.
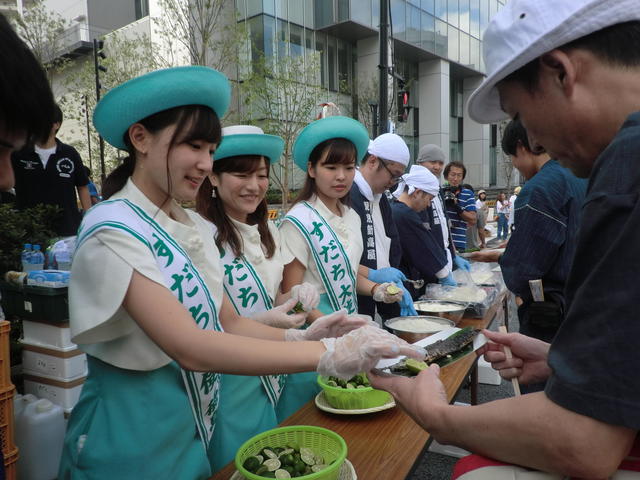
<point>381,169</point>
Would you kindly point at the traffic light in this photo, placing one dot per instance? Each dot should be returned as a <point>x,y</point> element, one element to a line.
<point>403,105</point>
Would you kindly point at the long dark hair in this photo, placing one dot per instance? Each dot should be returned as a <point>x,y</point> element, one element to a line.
<point>193,122</point>
<point>213,208</point>
<point>330,152</point>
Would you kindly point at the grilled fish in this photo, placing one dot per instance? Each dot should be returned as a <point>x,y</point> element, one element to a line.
<point>452,344</point>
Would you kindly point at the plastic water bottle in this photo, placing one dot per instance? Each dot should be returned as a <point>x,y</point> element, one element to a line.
<point>63,258</point>
<point>26,258</point>
<point>41,436</point>
<point>37,258</point>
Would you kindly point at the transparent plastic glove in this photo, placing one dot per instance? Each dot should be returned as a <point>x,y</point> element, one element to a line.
<point>307,295</point>
<point>448,280</point>
<point>335,324</point>
<point>380,294</point>
<point>279,318</point>
<point>388,274</point>
<point>406,304</point>
<point>462,263</point>
<point>361,350</point>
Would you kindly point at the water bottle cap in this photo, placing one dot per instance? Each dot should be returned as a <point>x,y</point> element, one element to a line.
<point>43,405</point>
<point>36,247</point>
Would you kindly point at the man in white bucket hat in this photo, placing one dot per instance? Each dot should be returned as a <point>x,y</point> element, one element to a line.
<point>570,71</point>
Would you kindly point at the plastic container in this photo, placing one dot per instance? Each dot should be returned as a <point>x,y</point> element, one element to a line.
<point>25,257</point>
<point>11,464</point>
<point>39,439</point>
<point>5,367</point>
<point>56,337</point>
<point>65,394</point>
<point>325,443</point>
<point>7,419</point>
<point>37,258</point>
<point>62,364</point>
<point>353,399</point>
<point>46,304</point>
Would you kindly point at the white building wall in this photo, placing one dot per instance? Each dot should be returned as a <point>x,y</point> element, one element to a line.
<point>435,107</point>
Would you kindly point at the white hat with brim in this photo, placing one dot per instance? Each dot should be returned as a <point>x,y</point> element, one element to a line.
<point>523,30</point>
<point>243,140</point>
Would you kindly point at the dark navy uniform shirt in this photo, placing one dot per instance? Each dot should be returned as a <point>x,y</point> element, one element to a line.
<point>54,185</point>
<point>594,356</point>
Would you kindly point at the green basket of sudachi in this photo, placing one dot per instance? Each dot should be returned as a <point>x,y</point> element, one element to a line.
<point>305,452</point>
<point>353,394</point>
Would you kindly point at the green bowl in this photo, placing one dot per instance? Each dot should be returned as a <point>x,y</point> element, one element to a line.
<point>353,399</point>
<point>323,442</point>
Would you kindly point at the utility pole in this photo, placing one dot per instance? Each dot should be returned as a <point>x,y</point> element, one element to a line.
<point>383,94</point>
<point>86,117</point>
<point>98,45</point>
<point>374,116</point>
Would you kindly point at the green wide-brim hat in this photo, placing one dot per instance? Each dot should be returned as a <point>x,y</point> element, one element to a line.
<point>325,129</point>
<point>242,140</point>
<point>156,91</point>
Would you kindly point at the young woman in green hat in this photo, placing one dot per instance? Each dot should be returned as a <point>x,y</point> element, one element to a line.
<point>146,296</point>
<point>233,198</point>
<point>322,233</point>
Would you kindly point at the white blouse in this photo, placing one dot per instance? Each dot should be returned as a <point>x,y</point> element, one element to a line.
<point>100,275</point>
<point>347,229</point>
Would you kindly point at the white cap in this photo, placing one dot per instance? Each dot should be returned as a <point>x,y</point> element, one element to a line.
<point>418,178</point>
<point>524,30</point>
<point>390,146</point>
<point>242,130</point>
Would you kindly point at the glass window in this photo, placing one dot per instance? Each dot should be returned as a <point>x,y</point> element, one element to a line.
<point>344,80</point>
<point>241,7</point>
<point>308,13</point>
<point>464,48</point>
<point>332,60</point>
<point>484,15</point>
<point>269,36</point>
<point>453,51</point>
<point>493,8</point>
<point>362,11</point>
<point>474,53</point>
<point>427,35</point>
<point>295,39</point>
<point>415,2</point>
<point>254,7</point>
<point>343,10</point>
<point>441,39</point>
<point>321,48</point>
<point>464,15</point>
<point>474,18</point>
<point>441,9</point>
<point>452,15</point>
<point>256,35</point>
<point>281,9</point>
<point>413,25</point>
<point>397,19</point>
<point>283,38</point>
<point>375,14</point>
<point>269,7</point>
<point>324,13</point>
<point>427,6</point>
<point>296,12</point>
<point>142,8</point>
<point>308,42</point>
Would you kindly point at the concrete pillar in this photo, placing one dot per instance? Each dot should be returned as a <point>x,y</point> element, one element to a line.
<point>476,139</point>
<point>435,106</point>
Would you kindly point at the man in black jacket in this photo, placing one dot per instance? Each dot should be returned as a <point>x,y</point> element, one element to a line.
<point>384,164</point>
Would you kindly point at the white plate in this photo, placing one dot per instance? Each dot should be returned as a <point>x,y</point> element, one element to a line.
<point>347,472</point>
<point>322,404</point>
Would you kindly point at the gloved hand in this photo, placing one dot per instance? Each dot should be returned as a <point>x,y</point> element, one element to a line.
<point>335,324</point>
<point>307,295</point>
<point>388,274</point>
<point>279,318</point>
<point>406,304</point>
<point>361,350</point>
<point>448,280</point>
<point>380,293</point>
<point>462,263</point>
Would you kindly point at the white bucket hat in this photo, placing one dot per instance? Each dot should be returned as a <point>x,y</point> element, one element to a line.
<point>523,30</point>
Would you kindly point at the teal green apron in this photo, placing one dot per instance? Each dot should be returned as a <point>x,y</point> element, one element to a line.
<point>128,433</point>
<point>301,387</point>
